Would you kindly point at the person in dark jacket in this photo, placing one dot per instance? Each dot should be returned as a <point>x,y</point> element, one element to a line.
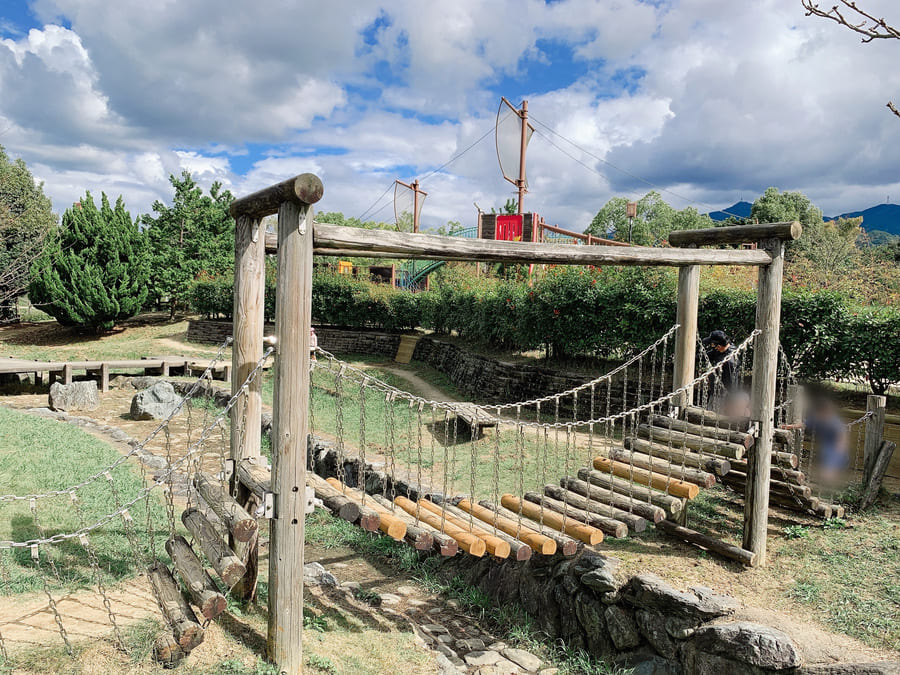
<point>719,348</point>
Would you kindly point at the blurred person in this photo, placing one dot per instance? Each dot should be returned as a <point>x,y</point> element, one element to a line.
<point>829,439</point>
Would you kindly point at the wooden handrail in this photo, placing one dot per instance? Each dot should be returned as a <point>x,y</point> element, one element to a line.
<point>587,238</point>
<point>306,188</point>
<point>736,234</point>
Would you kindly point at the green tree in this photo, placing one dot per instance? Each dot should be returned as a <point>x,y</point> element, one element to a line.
<point>831,245</point>
<point>26,219</point>
<point>192,237</point>
<point>774,206</point>
<point>94,273</point>
<point>655,219</point>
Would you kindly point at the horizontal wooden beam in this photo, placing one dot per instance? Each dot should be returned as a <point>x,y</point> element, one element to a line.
<point>306,188</point>
<point>589,239</point>
<point>335,240</point>
<point>735,234</point>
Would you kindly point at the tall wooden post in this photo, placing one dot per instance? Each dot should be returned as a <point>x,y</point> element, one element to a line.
<point>796,413</point>
<point>874,433</point>
<point>290,429</point>
<point>686,335</point>
<point>247,349</point>
<point>762,402</point>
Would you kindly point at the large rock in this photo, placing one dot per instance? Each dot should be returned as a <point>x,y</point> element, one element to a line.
<point>156,403</point>
<point>653,627</point>
<point>749,643</point>
<point>621,627</point>
<point>699,604</point>
<point>75,396</point>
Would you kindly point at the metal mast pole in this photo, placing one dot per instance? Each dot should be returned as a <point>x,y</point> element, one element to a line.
<point>523,114</point>
<point>415,188</point>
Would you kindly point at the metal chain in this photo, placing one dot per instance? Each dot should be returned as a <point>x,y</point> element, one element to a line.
<point>36,555</point>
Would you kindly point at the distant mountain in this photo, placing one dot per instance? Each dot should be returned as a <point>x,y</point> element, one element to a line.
<point>741,210</point>
<point>884,217</point>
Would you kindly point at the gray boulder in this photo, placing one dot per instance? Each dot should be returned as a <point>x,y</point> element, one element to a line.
<point>622,628</point>
<point>75,396</point>
<point>749,643</point>
<point>156,403</point>
<point>699,604</point>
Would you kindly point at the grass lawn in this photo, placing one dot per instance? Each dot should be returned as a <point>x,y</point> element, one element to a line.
<point>39,455</point>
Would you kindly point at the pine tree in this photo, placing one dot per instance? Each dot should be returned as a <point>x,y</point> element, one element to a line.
<point>94,273</point>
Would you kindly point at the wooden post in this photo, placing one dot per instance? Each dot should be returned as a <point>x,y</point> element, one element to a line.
<point>796,413</point>
<point>290,427</point>
<point>874,433</point>
<point>104,377</point>
<point>762,403</point>
<point>67,373</point>
<point>686,335</point>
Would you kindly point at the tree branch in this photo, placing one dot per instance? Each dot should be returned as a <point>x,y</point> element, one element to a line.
<point>893,108</point>
<point>867,25</point>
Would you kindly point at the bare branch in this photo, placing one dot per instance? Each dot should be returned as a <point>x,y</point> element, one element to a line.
<point>858,20</point>
<point>893,108</point>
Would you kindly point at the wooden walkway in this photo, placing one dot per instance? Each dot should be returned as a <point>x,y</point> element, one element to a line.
<point>158,365</point>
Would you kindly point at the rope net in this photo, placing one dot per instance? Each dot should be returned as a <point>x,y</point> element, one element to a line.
<point>84,559</point>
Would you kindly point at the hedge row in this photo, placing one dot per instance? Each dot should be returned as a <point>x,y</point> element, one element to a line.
<point>603,312</point>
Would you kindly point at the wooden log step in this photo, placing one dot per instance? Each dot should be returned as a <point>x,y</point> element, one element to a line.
<point>242,525</point>
<point>663,467</point>
<point>494,545</point>
<point>586,533</point>
<point>633,522</point>
<point>672,486</point>
<point>671,505</point>
<point>722,548</point>
<point>776,486</point>
<point>787,460</point>
<point>680,439</point>
<point>518,550</point>
<point>255,477</point>
<point>610,497</point>
<point>186,630</point>
<point>467,541</point>
<point>781,473</point>
<point>709,418</point>
<point>738,437</point>
<point>565,544</point>
<point>823,510</point>
<point>614,528</point>
<point>387,523</point>
<point>535,540</point>
<point>199,584</point>
<point>346,508</point>
<point>166,651</point>
<point>227,565</point>
<point>419,535</point>
<point>708,463</point>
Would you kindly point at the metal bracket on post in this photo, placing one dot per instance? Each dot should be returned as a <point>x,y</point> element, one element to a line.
<point>227,472</point>
<point>753,429</point>
<point>674,412</point>
<point>266,509</point>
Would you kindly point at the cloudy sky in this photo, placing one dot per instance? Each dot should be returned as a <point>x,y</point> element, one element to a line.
<point>711,100</point>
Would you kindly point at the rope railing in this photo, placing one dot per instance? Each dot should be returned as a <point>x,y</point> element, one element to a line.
<point>137,447</point>
<point>158,481</point>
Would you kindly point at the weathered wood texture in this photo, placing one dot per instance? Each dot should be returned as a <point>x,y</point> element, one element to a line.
<point>227,565</point>
<point>610,526</point>
<point>418,536</point>
<point>703,445</point>
<point>722,548</point>
<point>879,468</point>
<point>711,432</point>
<point>256,478</point>
<point>199,584</point>
<point>633,522</point>
<point>339,240</point>
<point>672,486</point>
<point>669,470</point>
<point>186,629</point>
<point>387,523</point>
<point>707,463</point>
<point>303,190</point>
<point>537,541</point>
<point>686,335</point>
<point>605,495</point>
<point>762,400</point>
<point>241,524</point>
<point>672,505</point>
<point>565,545</point>
<point>736,234</point>
<point>494,545</point>
<point>874,434</point>
<point>467,541</point>
<point>166,651</point>
<point>570,526</point>
<point>518,549</point>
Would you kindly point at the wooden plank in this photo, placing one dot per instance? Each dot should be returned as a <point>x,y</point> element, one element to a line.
<point>686,335</point>
<point>227,565</point>
<point>186,629</point>
<point>605,495</point>
<point>337,240</point>
<point>672,486</point>
<point>708,463</point>
<point>672,505</point>
<point>467,541</point>
<point>565,545</point>
<point>611,526</point>
<point>199,584</point>
<point>736,234</point>
<point>722,548</point>
<point>762,400</point>
<point>633,522</point>
<point>535,540</point>
<point>570,526</point>
<point>305,189</point>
